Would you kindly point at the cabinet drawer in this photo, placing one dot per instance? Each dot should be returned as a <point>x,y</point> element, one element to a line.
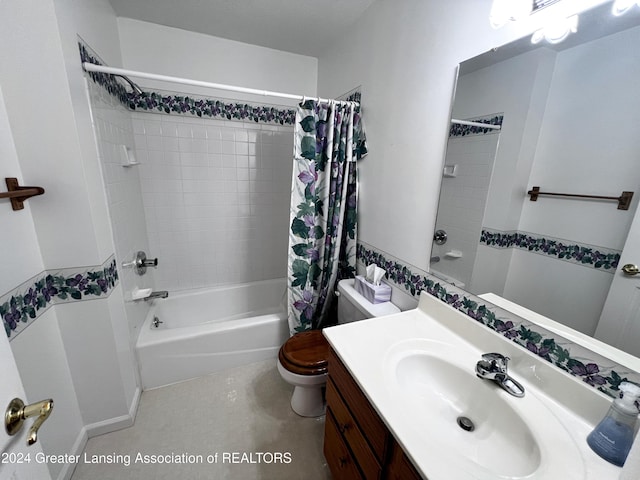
<point>400,467</point>
<point>371,426</point>
<point>352,434</point>
<point>339,459</point>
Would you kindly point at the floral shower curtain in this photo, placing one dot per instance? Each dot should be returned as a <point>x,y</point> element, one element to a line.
<point>329,139</point>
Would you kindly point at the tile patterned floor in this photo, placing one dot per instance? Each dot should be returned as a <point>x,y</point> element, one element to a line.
<point>225,421</point>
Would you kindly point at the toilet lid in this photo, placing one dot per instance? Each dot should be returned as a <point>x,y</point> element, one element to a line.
<point>307,351</point>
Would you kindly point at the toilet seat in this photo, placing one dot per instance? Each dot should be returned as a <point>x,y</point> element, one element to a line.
<point>306,353</point>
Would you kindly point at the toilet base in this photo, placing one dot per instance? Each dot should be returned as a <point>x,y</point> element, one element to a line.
<point>308,401</point>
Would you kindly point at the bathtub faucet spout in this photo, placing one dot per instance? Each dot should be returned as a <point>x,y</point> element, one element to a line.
<point>158,294</point>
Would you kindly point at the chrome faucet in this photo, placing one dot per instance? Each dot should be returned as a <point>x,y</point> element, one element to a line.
<point>493,366</point>
<point>158,294</point>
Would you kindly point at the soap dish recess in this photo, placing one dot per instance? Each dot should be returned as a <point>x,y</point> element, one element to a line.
<point>128,157</point>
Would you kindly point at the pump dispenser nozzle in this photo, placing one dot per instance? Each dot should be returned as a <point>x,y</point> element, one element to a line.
<point>630,397</point>
<point>613,436</point>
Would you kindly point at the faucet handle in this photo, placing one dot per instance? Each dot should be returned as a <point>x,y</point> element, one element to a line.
<point>498,361</point>
<point>141,262</point>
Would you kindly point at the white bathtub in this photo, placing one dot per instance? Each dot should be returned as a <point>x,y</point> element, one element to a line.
<point>447,278</point>
<point>210,330</point>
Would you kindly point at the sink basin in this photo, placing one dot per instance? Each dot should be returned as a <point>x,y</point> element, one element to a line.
<point>511,437</point>
<point>417,369</point>
<point>500,441</point>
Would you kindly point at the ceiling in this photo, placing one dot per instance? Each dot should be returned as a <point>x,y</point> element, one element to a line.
<point>306,27</point>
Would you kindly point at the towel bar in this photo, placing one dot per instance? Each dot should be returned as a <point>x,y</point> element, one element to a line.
<point>623,200</point>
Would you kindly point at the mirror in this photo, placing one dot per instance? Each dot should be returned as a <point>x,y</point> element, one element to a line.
<point>569,117</point>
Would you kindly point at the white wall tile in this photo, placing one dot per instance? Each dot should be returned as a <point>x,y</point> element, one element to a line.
<point>126,187</point>
<point>154,142</point>
<point>214,145</point>
<point>209,241</point>
<point>199,145</point>
<point>152,127</point>
<point>184,131</point>
<point>462,202</point>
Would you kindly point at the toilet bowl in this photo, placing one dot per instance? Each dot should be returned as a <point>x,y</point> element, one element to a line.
<point>302,362</point>
<point>303,359</point>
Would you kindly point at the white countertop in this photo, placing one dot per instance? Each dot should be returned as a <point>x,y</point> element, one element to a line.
<point>367,348</point>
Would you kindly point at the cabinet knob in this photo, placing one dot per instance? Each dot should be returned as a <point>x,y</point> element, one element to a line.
<point>344,427</point>
<point>343,461</point>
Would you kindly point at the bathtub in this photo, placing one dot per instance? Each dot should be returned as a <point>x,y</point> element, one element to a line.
<point>447,278</point>
<point>206,331</point>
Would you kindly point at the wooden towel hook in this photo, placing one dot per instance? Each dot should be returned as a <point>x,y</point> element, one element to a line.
<point>18,194</point>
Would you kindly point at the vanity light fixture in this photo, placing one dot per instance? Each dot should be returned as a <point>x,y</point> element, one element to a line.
<point>620,7</point>
<point>557,30</point>
<point>503,11</point>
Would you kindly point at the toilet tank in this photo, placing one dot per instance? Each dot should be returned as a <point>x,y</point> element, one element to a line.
<point>352,306</point>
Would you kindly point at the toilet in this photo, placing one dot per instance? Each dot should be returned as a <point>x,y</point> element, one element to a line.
<point>303,359</point>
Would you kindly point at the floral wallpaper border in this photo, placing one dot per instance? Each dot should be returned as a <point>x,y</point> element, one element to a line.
<point>457,130</point>
<point>600,258</point>
<point>595,370</point>
<point>20,307</point>
<point>353,95</point>
<point>105,80</point>
<point>184,104</point>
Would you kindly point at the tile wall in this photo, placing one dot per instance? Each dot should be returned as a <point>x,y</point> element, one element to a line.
<point>113,129</point>
<point>216,198</point>
<point>462,202</point>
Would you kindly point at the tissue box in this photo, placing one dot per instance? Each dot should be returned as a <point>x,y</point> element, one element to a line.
<point>374,293</point>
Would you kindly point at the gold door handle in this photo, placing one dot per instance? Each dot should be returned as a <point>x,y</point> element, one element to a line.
<point>17,412</point>
<point>630,269</point>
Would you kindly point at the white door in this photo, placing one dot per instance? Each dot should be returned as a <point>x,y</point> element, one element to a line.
<point>17,461</point>
<point>619,324</point>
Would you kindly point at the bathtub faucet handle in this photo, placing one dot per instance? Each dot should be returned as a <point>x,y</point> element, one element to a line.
<point>150,262</point>
<point>141,262</point>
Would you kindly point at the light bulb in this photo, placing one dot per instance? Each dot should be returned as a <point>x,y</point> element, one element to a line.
<point>557,30</point>
<point>620,7</point>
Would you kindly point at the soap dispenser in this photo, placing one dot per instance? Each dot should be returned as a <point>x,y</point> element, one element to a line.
<point>613,436</point>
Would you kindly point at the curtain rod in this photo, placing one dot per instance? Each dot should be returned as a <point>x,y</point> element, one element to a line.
<point>92,67</point>
<point>476,124</point>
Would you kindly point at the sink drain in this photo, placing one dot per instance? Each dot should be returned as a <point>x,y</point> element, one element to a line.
<point>466,424</point>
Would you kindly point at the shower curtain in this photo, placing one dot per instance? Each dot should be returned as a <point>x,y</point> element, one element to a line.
<point>329,139</point>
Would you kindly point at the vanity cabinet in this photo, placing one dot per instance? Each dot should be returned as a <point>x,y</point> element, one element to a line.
<point>357,443</point>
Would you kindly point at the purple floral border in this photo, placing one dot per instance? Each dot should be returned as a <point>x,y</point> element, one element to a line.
<point>354,95</point>
<point>606,380</point>
<point>600,258</point>
<point>20,307</point>
<point>458,130</point>
<point>184,104</point>
<point>205,107</point>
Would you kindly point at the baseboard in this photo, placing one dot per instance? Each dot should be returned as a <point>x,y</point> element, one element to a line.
<point>116,423</point>
<point>133,408</point>
<point>100,428</point>
<point>76,449</point>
